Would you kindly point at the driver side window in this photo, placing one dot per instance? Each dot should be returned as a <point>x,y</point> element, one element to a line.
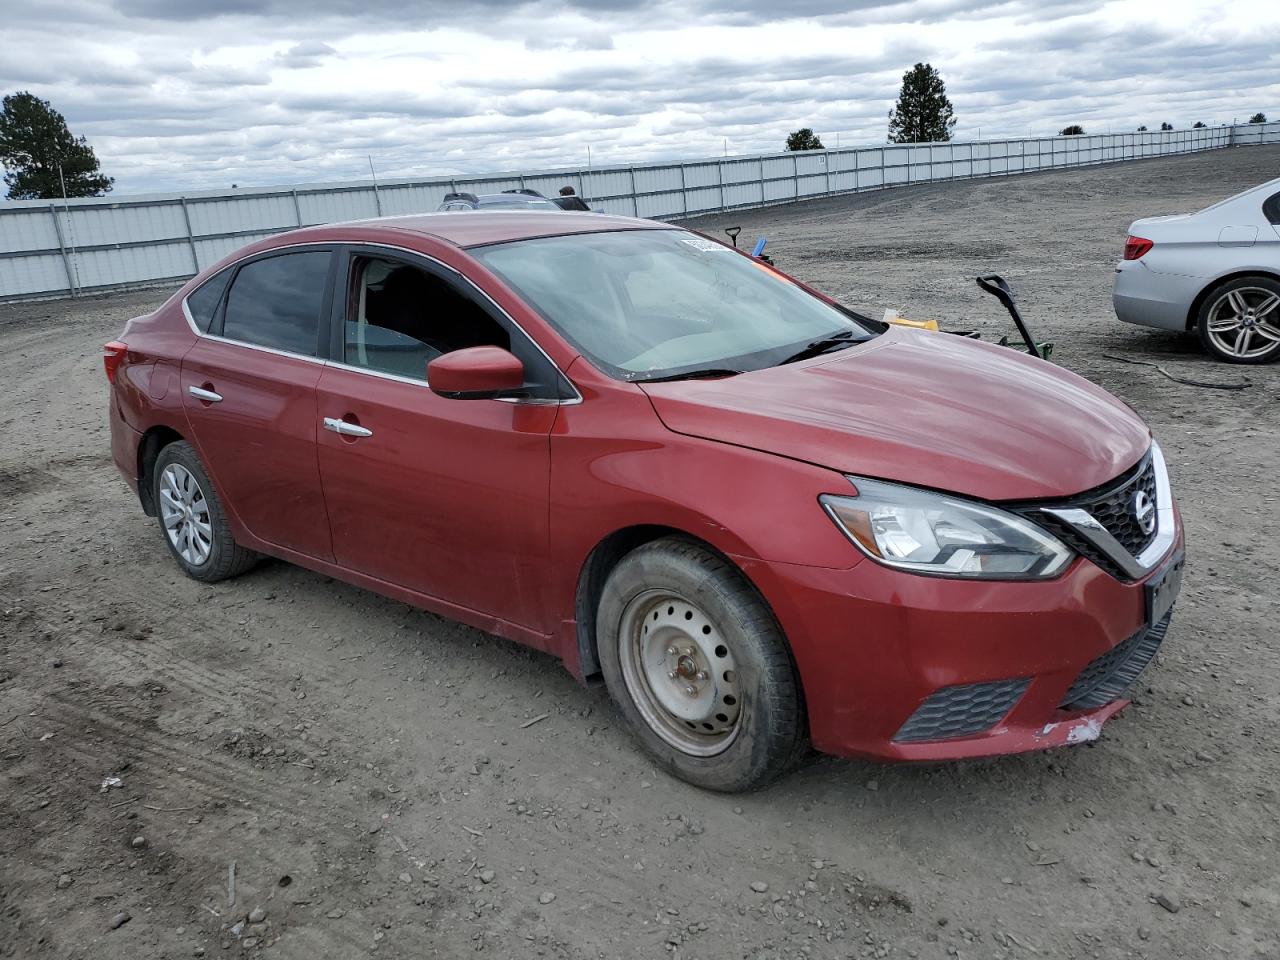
<point>400,317</point>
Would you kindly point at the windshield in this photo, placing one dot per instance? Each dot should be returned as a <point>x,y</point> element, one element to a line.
<point>533,203</point>
<point>642,304</point>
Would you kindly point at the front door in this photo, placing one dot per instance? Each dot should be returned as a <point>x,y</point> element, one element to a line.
<point>448,498</point>
<point>249,390</point>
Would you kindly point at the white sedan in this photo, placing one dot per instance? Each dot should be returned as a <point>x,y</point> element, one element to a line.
<point>1216,272</point>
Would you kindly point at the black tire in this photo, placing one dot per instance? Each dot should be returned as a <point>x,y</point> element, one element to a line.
<point>1219,344</point>
<point>226,558</point>
<point>769,732</point>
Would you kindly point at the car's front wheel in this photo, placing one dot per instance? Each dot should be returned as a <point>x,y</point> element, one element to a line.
<point>1239,321</point>
<point>697,663</point>
<point>192,517</point>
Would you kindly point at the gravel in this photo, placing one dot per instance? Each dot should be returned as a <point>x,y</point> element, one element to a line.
<point>164,673</point>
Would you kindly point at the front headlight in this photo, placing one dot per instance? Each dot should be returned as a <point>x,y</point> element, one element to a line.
<point>943,535</point>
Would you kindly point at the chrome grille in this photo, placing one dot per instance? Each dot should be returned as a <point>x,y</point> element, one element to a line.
<point>1103,526</point>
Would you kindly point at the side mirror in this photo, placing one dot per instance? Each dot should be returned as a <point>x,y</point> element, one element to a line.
<point>476,373</point>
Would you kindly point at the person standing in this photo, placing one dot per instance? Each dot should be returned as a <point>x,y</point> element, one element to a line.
<point>569,200</point>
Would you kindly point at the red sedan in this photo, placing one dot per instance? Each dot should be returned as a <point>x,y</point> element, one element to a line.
<point>766,520</point>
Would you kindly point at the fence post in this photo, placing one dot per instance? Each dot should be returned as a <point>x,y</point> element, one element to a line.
<point>191,237</point>
<point>297,207</point>
<point>795,175</point>
<point>684,191</point>
<point>72,286</point>
<point>635,200</point>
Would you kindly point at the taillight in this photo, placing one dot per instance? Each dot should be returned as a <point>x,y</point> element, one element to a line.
<point>1136,247</point>
<point>112,356</point>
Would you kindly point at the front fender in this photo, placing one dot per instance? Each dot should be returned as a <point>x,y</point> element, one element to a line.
<point>614,467</point>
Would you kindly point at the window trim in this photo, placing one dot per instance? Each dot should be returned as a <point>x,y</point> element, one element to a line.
<point>322,317</point>
<point>331,319</point>
<point>1271,209</point>
<point>349,252</point>
<point>235,265</point>
<point>217,308</point>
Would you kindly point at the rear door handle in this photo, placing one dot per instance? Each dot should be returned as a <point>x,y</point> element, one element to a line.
<point>346,429</point>
<point>208,396</point>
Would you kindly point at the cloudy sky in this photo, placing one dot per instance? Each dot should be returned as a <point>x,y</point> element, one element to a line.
<point>206,93</point>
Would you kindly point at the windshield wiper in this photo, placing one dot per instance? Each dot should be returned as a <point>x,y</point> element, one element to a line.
<point>691,375</point>
<point>844,338</point>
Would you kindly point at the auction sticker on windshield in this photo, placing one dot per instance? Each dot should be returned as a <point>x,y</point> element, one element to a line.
<point>701,243</point>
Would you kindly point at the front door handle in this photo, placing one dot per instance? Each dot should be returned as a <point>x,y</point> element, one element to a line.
<point>208,396</point>
<point>346,429</point>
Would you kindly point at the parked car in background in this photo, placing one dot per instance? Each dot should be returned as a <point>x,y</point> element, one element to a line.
<point>571,201</point>
<point>764,519</point>
<point>1216,272</point>
<point>510,200</point>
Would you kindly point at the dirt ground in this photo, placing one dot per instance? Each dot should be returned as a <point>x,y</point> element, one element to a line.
<point>372,775</point>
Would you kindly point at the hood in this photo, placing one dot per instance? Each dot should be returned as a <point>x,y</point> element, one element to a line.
<point>923,408</point>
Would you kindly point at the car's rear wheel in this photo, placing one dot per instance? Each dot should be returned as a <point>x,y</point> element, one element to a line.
<point>1239,322</point>
<point>192,518</point>
<point>697,663</point>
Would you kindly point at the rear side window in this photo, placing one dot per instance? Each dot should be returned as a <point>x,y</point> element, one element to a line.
<point>1271,209</point>
<point>276,302</point>
<point>203,302</point>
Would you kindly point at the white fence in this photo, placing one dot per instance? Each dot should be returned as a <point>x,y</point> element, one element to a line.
<point>99,243</point>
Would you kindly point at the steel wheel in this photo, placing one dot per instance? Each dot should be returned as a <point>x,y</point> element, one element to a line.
<point>184,512</point>
<point>680,672</point>
<point>1244,323</point>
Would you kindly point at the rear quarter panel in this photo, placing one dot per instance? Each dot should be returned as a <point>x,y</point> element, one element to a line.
<point>146,394</point>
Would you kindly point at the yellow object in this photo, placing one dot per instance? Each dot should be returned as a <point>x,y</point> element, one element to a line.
<point>919,324</point>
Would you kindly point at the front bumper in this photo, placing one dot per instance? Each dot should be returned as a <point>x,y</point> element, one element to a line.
<point>873,644</point>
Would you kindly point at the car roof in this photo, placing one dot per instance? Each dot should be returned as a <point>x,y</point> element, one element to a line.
<point>478,228</point>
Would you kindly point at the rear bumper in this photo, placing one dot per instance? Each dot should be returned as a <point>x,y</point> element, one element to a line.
<point>873,644</point>
<point>124,445</point>
<point>1150,299</point>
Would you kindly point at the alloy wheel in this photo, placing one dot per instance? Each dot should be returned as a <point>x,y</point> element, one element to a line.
<point>1245,322</point>
<point>185,513</point>
<point>680,673</point>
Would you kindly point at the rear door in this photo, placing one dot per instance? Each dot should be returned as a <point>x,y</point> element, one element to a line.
<point>448,498</point>
<point>249,388</point>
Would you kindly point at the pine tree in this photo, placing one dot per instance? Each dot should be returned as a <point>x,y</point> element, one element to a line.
<point>35,142</point>
<point>923,113</point>
<point>1074,130</point>
<point>1258,118</point>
